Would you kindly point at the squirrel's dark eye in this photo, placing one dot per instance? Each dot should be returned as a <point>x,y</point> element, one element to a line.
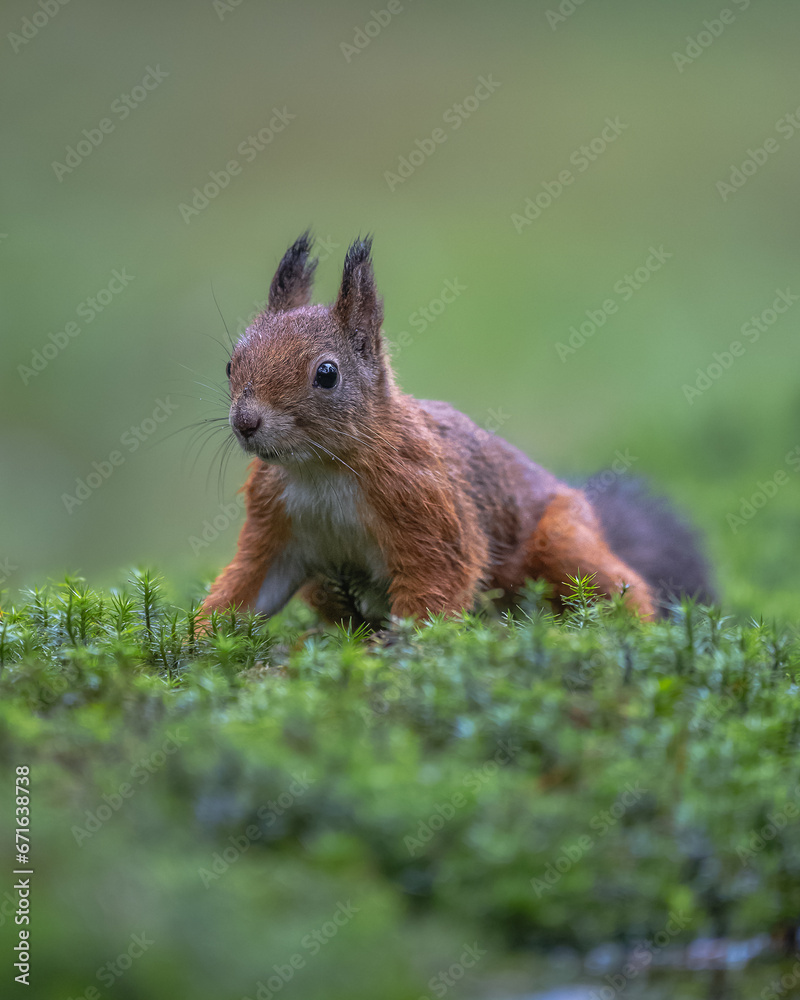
<point>327,375</point>
<point>228,369</point>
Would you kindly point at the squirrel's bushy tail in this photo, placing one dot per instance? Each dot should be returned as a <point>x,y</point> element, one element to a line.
<point>647,533</point>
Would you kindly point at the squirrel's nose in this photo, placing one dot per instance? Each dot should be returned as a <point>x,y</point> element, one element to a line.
<point>246,423</point>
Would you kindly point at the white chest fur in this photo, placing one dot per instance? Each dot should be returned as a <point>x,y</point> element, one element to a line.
<point>328,515</point>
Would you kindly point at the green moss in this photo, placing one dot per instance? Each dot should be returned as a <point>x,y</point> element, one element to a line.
<point>520,781</point>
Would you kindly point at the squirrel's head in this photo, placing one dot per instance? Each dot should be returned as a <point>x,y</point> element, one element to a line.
<point>305,379</point>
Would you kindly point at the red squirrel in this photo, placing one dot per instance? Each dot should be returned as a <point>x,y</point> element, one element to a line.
<point>373,504</point>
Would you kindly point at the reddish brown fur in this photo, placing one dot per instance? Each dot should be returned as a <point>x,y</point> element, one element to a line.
<point>443,509</point>
<point>264,534</point>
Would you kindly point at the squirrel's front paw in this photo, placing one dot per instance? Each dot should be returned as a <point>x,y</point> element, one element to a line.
<point>638,599</point>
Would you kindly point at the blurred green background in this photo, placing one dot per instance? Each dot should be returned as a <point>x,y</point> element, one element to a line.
<point>492,352</point>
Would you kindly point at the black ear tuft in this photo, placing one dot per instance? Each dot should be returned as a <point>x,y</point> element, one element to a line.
<point>291,286</point>
<point>358,255</point>
<point>358,307</point>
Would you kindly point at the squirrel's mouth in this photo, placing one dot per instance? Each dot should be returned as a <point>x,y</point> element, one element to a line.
<point>252,447</point>
<point>271,456</point>
<point>288,455</point>
<point>265,454</point>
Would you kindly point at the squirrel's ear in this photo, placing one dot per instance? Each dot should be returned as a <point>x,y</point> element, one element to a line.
<point>291,286</point>
<point>358,307</point>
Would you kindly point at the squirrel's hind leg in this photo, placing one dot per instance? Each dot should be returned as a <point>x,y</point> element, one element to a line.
<point>568,542</point>
<point>332,606</point>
